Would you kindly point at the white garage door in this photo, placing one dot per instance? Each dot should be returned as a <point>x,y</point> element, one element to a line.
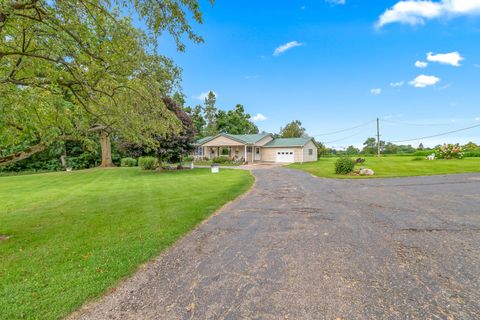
<point>286,155</point>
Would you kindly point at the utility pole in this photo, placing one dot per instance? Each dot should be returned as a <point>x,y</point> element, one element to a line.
<point>378,137</point>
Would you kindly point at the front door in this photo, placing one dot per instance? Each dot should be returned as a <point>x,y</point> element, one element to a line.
<point>257,154</point>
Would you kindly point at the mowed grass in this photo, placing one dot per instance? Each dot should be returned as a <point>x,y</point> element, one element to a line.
<point>74,235</point>
<point>393,166</point>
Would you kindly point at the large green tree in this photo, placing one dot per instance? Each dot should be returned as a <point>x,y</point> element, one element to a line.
<point>235,121</point>
<point>293,129</point>
<point>196,114</point>
<point>351,150</point>
<point>69,68</point>
<point>370,146</point>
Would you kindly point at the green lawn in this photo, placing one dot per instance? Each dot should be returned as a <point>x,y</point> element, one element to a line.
<point>393,166</point>
<point>74,235</point>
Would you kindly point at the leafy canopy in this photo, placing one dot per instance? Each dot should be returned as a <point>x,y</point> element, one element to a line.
<point>293,129</point>
<point>67,67</point>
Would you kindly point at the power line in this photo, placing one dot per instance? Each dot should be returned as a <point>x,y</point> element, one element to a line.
<point>417,124</point>
<point>437,135</point>
<point>344,138</point>
<point>343,130</point>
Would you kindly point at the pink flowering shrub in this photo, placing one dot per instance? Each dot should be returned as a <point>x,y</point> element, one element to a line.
<point>449,151</point>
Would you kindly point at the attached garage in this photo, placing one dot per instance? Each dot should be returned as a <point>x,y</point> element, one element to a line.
<point>285,156</point>
<point>288,150</point>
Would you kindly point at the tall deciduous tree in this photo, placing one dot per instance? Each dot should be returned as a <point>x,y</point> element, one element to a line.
<point>210,114</point>
<point>293,129</point>
<point>71,67</point>
<point>198,120</point>
<point>352,150</point>
<point>175,145</point>
<point>235,121</point>
<point>370,146</point>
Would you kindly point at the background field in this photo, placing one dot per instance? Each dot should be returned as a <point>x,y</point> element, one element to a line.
<point>393,166</point>
<point>74,235</point>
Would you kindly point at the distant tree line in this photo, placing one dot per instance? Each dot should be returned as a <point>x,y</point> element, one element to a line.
<point>370,148</point>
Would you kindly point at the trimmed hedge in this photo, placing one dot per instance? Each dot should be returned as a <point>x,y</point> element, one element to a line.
<point>128,162</point>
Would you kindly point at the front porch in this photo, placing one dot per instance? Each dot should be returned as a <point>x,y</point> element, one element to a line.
<point>240,153</point>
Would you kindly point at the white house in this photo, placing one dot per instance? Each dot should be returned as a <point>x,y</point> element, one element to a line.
<point>257,148</point>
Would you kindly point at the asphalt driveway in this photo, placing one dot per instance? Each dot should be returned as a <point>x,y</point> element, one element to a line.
<point>299,247</point>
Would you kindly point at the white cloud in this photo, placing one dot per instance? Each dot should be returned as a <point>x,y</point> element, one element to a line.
<point>477,119</point>
<point>259,117</point>
<point>397,84</point>
<point>451,58</point>
<point>202,96</point>
<point>423,81</point>
<point>336,2</point>
<point>421,64</point>
<point>376,91</point>
<point>287,46</point>
<point>415,12</point>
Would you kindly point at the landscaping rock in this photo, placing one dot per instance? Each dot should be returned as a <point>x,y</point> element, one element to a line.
<point>366,172</point>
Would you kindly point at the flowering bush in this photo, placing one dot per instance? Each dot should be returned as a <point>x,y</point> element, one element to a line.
<point>449,151</point>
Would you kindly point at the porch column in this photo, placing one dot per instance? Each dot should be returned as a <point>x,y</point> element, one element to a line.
<point>245,156</point>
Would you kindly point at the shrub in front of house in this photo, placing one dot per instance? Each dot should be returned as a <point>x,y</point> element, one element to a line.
<point>219,160</point>
<point>147,163</point>
<point>344,165</point>
<point>449,151</point>
<point>128,162</point>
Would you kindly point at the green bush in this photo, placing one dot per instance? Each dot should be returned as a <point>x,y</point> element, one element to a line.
<point>344,165</point>
<point>219,160</point>
<point>417,159</point>
<point>472,153</point>
<point>128,162</point>
<point>147,163</point>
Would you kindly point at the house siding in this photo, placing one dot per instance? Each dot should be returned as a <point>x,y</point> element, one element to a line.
<point>270,154</point>
<point>306,156</point>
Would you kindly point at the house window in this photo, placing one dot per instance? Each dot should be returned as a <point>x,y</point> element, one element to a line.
<point>249,149</point>
<point>199,151</point>
<point>310,152</point>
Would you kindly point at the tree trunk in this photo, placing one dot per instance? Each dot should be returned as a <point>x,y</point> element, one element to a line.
<point>106,146</point>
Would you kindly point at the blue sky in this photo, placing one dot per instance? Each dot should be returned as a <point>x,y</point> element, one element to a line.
<point>342,63</point>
